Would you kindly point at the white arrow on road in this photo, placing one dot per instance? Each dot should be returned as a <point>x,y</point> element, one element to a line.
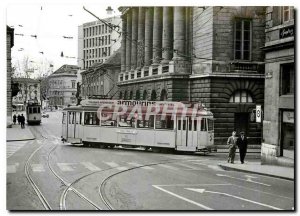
<point>199,190</point>
<point>247,180</point>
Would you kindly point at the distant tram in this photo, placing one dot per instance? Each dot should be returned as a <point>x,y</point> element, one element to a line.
<point>33,113</point>
<point>159,125</point>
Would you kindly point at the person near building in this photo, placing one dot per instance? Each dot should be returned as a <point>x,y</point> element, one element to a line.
<point>14,119</point>
<point>242,143</point>
<point>231,142</point>
<point>19,119</point>
<point>22,118</point>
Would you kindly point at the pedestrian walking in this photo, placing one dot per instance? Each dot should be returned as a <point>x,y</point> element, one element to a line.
<point>232,147</point>
<point>22,121</point>
<point>14,119</point>
<point>19,119</point>
<point>242,143</point>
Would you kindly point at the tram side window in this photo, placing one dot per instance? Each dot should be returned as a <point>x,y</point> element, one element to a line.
<point>64,118</point>
<point>210,124</point>
<point>165,122</point>
<point>179,125</point>
<point>70,117</point>
<point>29,110</point>
<point>91,118</point>
<point>39,109</point>
<point>143,123</point>
<point>190,123</point>
<point>80,116</point>
<point>106,120</point>
<point>195,125</point>
<point>203,124</point>
<point>184,125</point>
<point>126,121</point>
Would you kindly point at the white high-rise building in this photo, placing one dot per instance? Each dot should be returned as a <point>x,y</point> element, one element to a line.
<point>97,41</point>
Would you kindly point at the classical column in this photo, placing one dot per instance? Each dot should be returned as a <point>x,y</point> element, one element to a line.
<point>187,30</point>
<point>141,38</point>
<point>128,41</point>
<point>148,35</point>
<point>134,37</point>
<point>123,43</point>
<point>157,35</point>
<point>179,32</point>
<point>167,40</point>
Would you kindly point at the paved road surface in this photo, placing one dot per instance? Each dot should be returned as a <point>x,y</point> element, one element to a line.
<point>47,174</point>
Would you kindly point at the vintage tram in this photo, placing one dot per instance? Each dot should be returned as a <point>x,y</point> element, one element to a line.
<point>33,113</point>
<point>158,125</point>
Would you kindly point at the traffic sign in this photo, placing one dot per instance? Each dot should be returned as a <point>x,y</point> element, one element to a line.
<point>258,113</point>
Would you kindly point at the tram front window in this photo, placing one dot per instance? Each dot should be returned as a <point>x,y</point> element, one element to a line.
<point>34,110</point>
<point>203,124</point>
<point>210,124</point>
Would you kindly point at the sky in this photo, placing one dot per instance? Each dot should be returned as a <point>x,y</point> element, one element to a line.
<point>50,22</point>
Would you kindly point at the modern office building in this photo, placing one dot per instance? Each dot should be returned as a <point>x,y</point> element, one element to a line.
<point>98,40</point>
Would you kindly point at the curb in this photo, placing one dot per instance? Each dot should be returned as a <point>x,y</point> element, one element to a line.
<point>247,171</point>
<point>20,140</point>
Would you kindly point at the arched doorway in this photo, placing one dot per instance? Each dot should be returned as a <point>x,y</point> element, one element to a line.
<point>153,95</point>
<point>145,95</point>
<point>125,95</point>
<point>163,95</point>
<point>242,117</point>
<point>137,95</point>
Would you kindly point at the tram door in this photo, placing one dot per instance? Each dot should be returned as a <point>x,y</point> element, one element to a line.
<point>186,133</point>
<point>71,127</point>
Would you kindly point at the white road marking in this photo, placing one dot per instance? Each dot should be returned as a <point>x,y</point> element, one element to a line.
<point>229,195</point>
<point>12,168</point>
<point>138,165</point>
<point>121,168</point>
<point>167,166</point>
<point>90,166</point>
<point>112,164</point>
<point>37,168</point>
<point>247,180</point>
<point>172,185</point>
<point>65,167</point>
<point>12,148</point>
<point>189,167</point>
<point>183,198</point>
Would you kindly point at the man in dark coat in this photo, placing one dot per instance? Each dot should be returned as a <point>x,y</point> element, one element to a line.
<point>242,143</point>
<point>19,119</point>
<point>22,121</point>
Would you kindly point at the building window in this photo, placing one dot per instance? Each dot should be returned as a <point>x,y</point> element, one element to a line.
<point>73,84</point>
<point>287,13</point>
<point>287,79</point>
<point>241,96</point>
<point>242,39</point>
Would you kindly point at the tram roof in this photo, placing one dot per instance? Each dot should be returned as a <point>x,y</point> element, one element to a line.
<point>93,105</point>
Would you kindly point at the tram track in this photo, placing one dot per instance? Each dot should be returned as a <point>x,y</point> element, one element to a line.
<point>70,186</point>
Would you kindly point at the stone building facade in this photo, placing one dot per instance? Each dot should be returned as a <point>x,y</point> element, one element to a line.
<point>207,54</point>
<point>62,86</point>
<point>100,79</point>
<point>29,90</point>
<point>9,45</point>
<point>279,107</point>
<point>97,41</point>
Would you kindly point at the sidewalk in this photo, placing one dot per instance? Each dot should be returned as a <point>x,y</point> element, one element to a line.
<point>15,133</point>
<point>256,167</point>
